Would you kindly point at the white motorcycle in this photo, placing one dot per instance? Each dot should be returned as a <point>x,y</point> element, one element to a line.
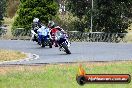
<point>63,42</point>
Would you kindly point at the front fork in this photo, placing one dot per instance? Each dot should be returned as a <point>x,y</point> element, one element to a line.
<point>61,48</point>
<point>67,43</point>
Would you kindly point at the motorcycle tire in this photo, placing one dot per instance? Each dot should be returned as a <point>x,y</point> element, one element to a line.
<point>42,44</point>
<point>66,48</point>
<point>50,44</point>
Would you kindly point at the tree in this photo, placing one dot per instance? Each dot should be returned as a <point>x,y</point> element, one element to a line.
<point>28,9</point>
<point>79,7</point>
<point>112,15</point>
<point>2,10</point>
<point>73,17</point>
<point>108,15</point>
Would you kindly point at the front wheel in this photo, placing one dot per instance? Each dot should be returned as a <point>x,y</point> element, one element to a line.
<point>42,45</point>
<point>50,44</point>
<point>66,48</point>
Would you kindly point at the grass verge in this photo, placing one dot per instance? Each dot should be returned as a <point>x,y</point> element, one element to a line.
<point>7,55</point>
<point>60,76</point>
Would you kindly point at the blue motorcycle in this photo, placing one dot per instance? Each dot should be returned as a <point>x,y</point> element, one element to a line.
<point>43,37</point>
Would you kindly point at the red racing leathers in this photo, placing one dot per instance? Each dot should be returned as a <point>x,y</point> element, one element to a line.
<point>52,34</point>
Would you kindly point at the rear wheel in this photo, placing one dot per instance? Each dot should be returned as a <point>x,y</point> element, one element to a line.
<point>42,44</point>
<point>66,48</point>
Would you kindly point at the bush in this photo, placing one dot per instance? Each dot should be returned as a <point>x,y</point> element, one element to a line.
<point>2,10</point>
<point>28,9</point>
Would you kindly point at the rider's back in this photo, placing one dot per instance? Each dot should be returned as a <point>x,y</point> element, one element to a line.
<point>43,31</point>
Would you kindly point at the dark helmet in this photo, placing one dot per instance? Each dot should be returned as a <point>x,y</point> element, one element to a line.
<point>51,24</point>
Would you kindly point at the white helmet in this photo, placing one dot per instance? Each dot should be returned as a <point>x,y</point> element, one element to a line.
<point>43,27</point>
<point>35,20</point>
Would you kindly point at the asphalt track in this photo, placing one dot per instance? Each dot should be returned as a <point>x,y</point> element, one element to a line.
<point>81,51</point>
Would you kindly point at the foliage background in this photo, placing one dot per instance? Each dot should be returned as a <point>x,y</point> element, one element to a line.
<point>28,9</point>
<point>111,16</point>
<point>2,10</point>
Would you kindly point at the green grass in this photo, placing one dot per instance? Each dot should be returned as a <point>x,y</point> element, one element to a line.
<point>60,76</point>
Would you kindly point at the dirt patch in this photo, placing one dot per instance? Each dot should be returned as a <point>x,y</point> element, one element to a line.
<point>16,68</point>
<point>4,70</point>
<point>8,55</point>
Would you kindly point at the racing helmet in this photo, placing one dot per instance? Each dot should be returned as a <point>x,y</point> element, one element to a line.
<point>51,24</point>
<point>36,20</point>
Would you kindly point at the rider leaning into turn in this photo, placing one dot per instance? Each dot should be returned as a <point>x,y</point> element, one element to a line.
<point>53,31</point>
<point>57,30</point>
<point>54,28</point>
<point>43,31</point>
<point>36,24</point>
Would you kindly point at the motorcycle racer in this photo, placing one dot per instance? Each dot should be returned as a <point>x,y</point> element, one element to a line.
<point>54,30</point>
<point>42,31</point>
<point>35,26</point>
